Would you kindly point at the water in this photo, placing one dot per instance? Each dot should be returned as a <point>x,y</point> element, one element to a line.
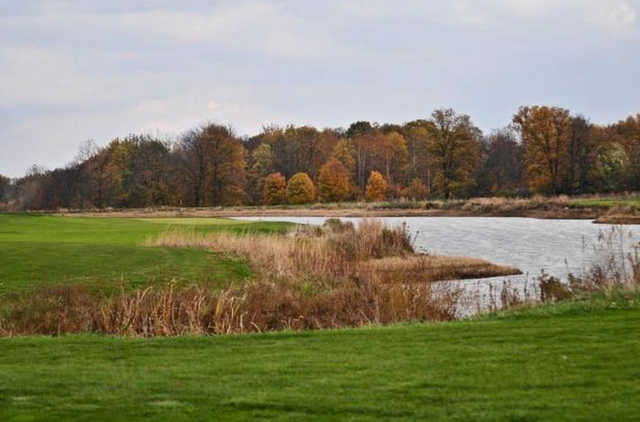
<point>555,246</point>
<point>558,247</point>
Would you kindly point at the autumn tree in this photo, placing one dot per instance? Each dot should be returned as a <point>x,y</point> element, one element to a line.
<point>545,133</point>
<point>214,162</point>
<point>299,149</point>
<point>613,166</point>
<point>261,166</point>
<point>376,187</point>
<point>146,180</point>
<point>359,128</point>
<point>192,151</point>
<point>343,152</point>
<point>334,182</point>
<point>300,189</point>
<point>626,134</point>
<point>226,165</point>
<point>363,147</point>
<point>419,164</point>
<point>418,190</point>
<point>454,146</point>
<point>274,189</point>
<point>391,155</point>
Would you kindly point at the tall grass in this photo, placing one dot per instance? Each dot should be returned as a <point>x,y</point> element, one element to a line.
<point>257,307</point>
<point>327,257</point>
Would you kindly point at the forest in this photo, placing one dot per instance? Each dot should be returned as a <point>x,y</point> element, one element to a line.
<point>544,150</point>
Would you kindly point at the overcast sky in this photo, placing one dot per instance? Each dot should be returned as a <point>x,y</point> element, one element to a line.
<point>75,70</point>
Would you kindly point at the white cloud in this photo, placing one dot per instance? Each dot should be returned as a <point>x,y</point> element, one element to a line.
<point>249,63</point>
<point>607,15</point>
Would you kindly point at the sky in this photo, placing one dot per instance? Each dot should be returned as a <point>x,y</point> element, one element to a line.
<point>77,70</point>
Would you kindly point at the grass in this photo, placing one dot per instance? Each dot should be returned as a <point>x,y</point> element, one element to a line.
<point>631,202</point>
<point>569,361</point>
<point>39,249</point>
<point>575,360</point>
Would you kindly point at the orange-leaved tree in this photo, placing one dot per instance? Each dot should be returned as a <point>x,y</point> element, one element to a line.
<point>545,134</point>
<point>275,189</point>
<point>334,182</point>
<point>376,187</point>
<point>300,189</point>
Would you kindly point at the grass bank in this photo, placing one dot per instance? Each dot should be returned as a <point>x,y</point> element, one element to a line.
<point>576,360</point>
<point>626,208</point>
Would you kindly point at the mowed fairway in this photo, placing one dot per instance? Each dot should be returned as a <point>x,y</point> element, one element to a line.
<point>565,362</point>
<point>109,252</point>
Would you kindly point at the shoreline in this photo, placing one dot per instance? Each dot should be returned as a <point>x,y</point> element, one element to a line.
<point>553,214</point>
<point>604,210</point>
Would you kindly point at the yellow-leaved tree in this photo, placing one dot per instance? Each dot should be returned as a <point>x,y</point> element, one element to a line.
<point>300,189</point>
<point>376,187</point>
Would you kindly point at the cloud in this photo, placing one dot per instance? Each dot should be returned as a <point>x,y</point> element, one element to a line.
<point>605,15</point>
<point>77,70</point>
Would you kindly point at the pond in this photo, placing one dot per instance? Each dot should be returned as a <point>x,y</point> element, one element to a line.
<point>558,247</point>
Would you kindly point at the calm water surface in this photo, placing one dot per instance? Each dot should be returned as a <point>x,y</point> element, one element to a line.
<point>532,245</point>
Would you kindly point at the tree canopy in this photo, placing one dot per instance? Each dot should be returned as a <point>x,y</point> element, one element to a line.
<point>544,149</point>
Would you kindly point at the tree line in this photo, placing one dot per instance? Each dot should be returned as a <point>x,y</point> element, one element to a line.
<point>544,149</point>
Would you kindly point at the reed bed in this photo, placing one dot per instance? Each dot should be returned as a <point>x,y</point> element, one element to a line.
<point>257,307</point>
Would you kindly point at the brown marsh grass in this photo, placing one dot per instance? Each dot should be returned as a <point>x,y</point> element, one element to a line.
<point>337,252</point>
<point>256,307</point>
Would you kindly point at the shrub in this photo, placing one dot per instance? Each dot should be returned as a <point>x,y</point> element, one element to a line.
<point>300,189</point>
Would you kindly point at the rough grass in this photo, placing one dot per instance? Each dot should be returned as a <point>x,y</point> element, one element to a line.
<point>37,249</point>
<point>568,361</point>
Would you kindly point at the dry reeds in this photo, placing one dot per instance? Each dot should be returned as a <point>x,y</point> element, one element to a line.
<point>257,307</point>
<point>429,268</point>
<point>326,256</point>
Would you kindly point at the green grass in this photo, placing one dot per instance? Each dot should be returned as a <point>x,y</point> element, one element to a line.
<point>633,202</point>
<point>107,252</point>
<point>576,361</point>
